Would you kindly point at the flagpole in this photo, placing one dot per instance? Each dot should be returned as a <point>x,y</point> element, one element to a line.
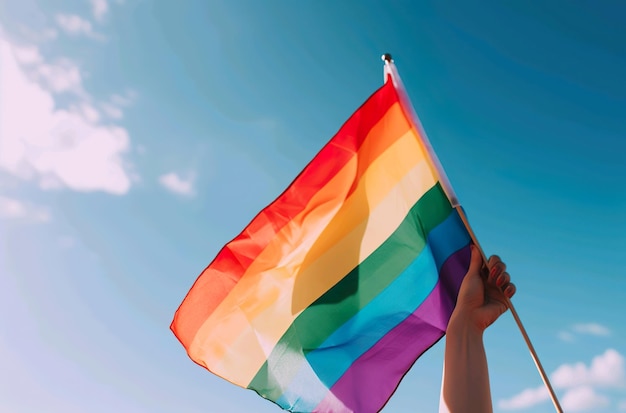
<point>518,321</point>
<point>390,70</point>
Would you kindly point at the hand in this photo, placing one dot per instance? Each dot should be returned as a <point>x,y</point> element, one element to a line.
<point>483,298</point>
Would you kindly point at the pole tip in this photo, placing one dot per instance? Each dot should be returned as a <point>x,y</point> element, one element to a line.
<point>387,57</point>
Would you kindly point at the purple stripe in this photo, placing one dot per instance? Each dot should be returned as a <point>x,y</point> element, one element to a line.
<point>378,371</point>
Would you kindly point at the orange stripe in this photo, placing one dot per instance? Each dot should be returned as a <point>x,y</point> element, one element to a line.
<point>258,336</point>
<point>329,199</point>
<point>265,297</point>
<point>227,268</point>
<point>215,282</point>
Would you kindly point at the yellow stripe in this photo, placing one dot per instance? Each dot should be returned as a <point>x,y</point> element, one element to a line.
<point>229,344</point>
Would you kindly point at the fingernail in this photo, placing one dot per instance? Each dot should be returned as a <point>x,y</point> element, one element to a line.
<point>508,290</point>
<point>493,271</point>
<point>499,282</point>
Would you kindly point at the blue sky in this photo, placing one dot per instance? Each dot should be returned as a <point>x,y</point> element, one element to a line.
<point>137,137</point>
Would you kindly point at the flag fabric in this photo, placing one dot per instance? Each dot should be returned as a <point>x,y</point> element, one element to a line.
<point>331,293</point>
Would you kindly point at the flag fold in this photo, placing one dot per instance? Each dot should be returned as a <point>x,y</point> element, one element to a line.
<point>331,293</point>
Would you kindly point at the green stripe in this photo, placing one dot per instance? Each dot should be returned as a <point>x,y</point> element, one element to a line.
<point>317,322</point>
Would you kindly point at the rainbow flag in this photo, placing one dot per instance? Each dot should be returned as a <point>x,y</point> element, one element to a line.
<point>332,292</point>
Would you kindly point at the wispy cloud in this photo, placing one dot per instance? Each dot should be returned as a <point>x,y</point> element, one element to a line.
<point>125,99</point>
<point>583,398</point>
<point>27,55</point>
<point>112,111</point>
<point>75,25</point>
<point>62,76</point>
<point>622,406</point>
<point>525,399</point>
<point>605,371</point>
<point>566,336</point>
<point>594,329</point>
<point>37,36</point>
<point>177,184</point>
<point>58,147</point>
<point>11,208</point>
<point>113,108</point>
<point>99,9</point>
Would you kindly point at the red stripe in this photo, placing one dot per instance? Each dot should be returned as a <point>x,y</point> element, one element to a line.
<point>219,278</point>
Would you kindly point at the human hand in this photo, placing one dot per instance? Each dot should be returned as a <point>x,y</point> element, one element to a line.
<point>483,296</point>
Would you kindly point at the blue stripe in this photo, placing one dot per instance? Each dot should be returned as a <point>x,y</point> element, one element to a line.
<point>393,305</point>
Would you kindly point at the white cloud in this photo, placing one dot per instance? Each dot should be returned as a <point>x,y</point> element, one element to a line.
<point>606,370</point>
<point>75,25</point>
<point>47,34</point>
<point>57,147</point>
<point>113,108</point>
<point>175,183</point>
<point>112,111</point>
<point>89,112</point>
<point>125,99</point>
<point>11,208</point>
<point>99,9</point>
<point>594,329</point>
<point>583,398</point>
<point>27,55</point>
<point>62,76</point>
<point>37,36</point>
<point>525,399</point>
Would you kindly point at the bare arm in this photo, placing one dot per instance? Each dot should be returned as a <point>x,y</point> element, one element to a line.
<point>481,301</point>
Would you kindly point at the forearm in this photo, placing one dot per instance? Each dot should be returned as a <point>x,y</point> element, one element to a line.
<point>466,377</point>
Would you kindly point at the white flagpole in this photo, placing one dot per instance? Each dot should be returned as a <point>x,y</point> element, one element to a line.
<point>390,70</point>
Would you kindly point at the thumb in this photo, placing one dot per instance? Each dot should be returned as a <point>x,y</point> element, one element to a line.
<point>476,262</point>
<point>471,293</point>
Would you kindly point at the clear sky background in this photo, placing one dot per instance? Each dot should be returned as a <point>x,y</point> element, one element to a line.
<point>137,137</point>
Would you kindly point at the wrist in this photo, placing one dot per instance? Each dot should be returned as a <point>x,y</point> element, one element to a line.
<point>462,325</point>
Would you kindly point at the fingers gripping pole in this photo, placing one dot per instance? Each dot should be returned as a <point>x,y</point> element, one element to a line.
<point>531,348</point>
